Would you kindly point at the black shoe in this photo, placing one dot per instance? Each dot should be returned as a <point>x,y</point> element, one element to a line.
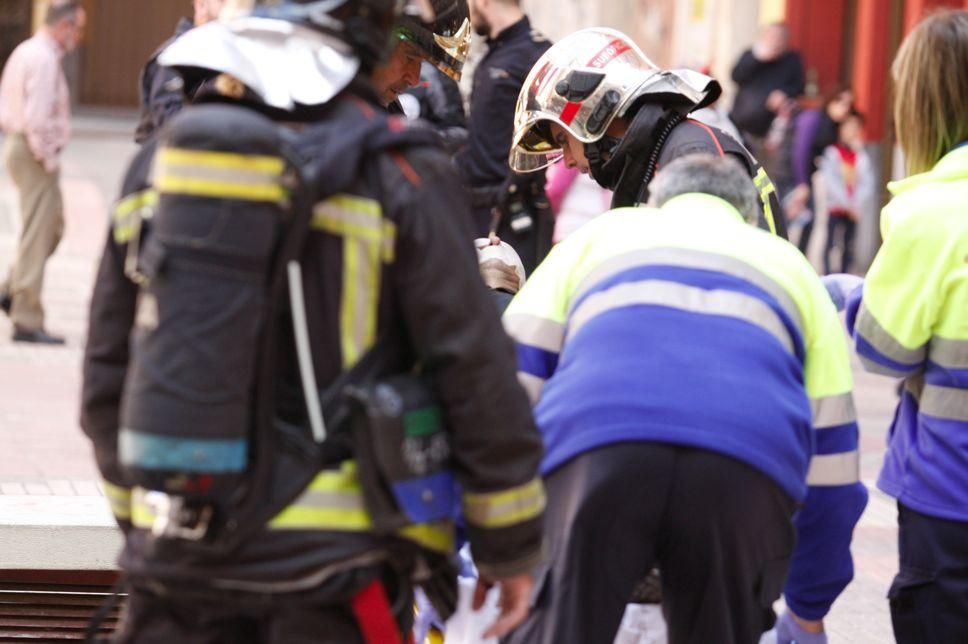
<point>37,336</point>
<point>5,302</point>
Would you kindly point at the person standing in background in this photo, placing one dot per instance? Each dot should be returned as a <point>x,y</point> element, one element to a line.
<point>767,76</point>
<point>513,49</point>
<point>813,132</point>
<point>35,113</point>
<point>848,184</point>
<point>161,88</point>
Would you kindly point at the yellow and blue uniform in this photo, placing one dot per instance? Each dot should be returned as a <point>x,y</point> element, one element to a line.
<point>686,326</point>
<point>911,321</point>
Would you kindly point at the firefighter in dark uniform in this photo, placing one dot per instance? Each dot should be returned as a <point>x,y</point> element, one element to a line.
<point>249,514</point>
<point>622,119</point>
<point>513,206</point>
<point>444,43</point>
<point>161,89</point>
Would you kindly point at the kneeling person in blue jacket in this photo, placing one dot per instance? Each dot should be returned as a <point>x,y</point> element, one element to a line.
<point>691,380</point>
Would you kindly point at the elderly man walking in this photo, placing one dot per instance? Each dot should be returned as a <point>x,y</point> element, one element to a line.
<point>693,389</point>
<point>35,115</point>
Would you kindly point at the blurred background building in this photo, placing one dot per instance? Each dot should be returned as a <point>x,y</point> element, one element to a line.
<point>842,42</point>
<point>849,41</point>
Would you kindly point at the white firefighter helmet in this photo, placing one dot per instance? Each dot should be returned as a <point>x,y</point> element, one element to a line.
<point>291,52</point>
<point>583,83</point>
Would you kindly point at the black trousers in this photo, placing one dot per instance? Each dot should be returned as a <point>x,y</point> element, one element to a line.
<point>840,234</point>
<point>149,618</point>
<point>929,596</point>
<point>719,530</point>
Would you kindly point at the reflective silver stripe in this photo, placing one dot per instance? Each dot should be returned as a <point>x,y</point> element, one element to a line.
<point>535,331</point>
<point>345,500</point>
<point>505,508</point>
<point>831,411</point>
<point>834,469</point>
<point>878,368</point>
<point>532,385</point>
<point>944,402</point>
<point>952,354</point>
<point>687,298</point>
<point>872,331</point>
<point>914,386</point>
<point>692,259</point>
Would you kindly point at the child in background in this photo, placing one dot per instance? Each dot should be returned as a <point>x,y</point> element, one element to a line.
<point>848,180</point>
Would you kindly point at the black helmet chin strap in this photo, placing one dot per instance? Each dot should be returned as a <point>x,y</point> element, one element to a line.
<point>632,161</point>
<point>598,153</point>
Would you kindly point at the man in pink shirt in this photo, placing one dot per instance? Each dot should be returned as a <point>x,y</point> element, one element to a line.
<point>35,115</point>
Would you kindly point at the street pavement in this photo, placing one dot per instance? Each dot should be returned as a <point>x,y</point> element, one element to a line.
<point>44,453</point>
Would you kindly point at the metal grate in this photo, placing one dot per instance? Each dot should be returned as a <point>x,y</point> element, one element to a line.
<point>53,606</point>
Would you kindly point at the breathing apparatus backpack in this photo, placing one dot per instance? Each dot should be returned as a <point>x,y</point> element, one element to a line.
<point>204,438</point>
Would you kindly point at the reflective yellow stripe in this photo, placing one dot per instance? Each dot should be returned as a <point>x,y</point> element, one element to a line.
<point>334,501</point>
<point>219,189</point>
<point>505,508</point>
<point>129,212</point>
<point>271,167</point>
<point>119,498</point>
<point>438,536</point>
<point>142,515</point>
<point>220,175</point>
<point>368,240</point>
<point>765,186</point>
<point>297,517</point>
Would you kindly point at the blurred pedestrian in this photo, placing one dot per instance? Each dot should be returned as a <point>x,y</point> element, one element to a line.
<point>766,75</point>
<point>517,201</point>
<point>911,320</point>
<point>691,381</point>
<point>848,179</point>
<point>35,114</point>
<point>162,90</point>
<point>814,131</point>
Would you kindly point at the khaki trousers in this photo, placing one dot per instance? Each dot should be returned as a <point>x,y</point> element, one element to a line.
<point>42,219</point>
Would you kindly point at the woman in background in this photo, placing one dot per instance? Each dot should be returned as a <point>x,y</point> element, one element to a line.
<point>911,320</point>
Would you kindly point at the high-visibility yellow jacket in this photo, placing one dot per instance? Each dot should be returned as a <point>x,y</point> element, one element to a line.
<point>685,325</point>
<point>911,320</point>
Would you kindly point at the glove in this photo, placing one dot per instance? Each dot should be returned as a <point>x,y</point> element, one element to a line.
<point>789,632</point>
<point>840,286</point>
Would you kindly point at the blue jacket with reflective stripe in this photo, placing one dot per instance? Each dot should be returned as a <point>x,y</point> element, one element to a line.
<point>687,326</point>
<point>911,320</point>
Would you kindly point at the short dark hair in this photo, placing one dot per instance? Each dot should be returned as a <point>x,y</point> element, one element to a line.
<point>59,10</point>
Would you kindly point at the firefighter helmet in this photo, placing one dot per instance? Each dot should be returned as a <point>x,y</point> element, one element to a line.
<point>583,83</point>
<point>365,24</point>
<point>292,52</point>
<point>445,40</point>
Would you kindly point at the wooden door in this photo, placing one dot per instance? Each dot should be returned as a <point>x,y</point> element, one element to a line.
<point>15,23</point>
<point>121,36</point>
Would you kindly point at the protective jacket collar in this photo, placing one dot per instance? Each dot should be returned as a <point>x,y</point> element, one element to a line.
<point>951,167</point>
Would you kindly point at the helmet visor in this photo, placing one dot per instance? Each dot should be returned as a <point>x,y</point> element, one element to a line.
<point>533,147</point>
